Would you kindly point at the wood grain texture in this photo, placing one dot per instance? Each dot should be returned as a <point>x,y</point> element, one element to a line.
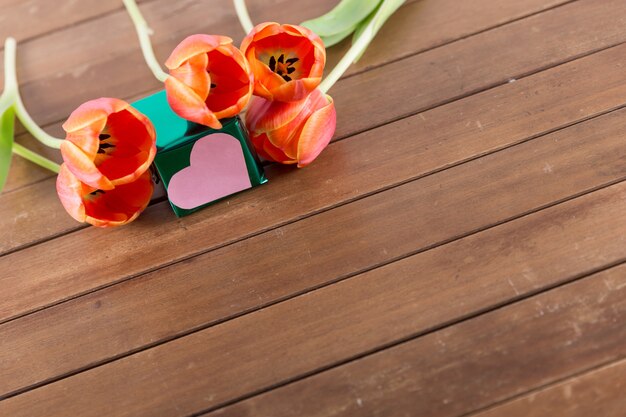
<point>522,178</point>
<point>26,19</point>
<point>539,172</point>
<point>458,369</point>
<point>378,159</point>
<point>599,392</point>
<point>436,68</point>
<point>319,329</point>
<point>459,249</point>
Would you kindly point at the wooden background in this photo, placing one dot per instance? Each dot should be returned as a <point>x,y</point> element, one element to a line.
<point>457,250</point>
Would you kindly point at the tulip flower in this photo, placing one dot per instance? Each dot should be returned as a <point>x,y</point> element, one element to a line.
<point>108,143</point>
<point>287,61</point>
<point>209,80</point>
<point>293,132</point>
<point>103,208</point>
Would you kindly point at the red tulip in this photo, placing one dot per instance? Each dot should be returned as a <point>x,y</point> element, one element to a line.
<point>294,132</point>
<point>108,143</point>
<point>209,80</point>
<point>103,208</point>
<point>287,61</point>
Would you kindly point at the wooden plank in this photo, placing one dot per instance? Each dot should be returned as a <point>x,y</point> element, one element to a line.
<point>438,68</point>
<point>325,327</point>
<point>470,65</point>
<point>455,370</point>
<point>431,23</point>
<point>25,19</point>
<point>430,141</point>
<point>549,168</point>
<point>599,392</point>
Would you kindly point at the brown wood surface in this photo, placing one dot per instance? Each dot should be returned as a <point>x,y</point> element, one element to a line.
<point>599,392</point>
<point>471,129</point>
<point>457,250</point>
<point>545,170</point>
<point>451,371</point>
<point>225,362</point>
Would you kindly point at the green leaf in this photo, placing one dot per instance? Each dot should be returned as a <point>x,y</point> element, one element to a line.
<point>335,39</point>
<point>384,12</point>
<point>7,123</point>
<point>346,15</point>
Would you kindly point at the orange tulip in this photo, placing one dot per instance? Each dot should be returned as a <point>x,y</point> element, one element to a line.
<point>102,208</point>
<point>287,61</point>
<point>294,132</point>
<point>108,143</point>
<point>209,80</point>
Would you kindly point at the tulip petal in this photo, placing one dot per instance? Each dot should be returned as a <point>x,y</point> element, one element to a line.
<point>264,78</point>
<point>317,133</point>
<point>232,82</point>
<point>70,191</point>
<point>273,153</point>
<point>114,207</point>
<point>260,31</point>
<point>83,166</point>
<point>295,90</point>
<point>264,115</point>
<point>188,105</point>
<point>194,45</point>
<point>125,169</point>
<point>121,205</point>
<point>193,73</point>
<point>93,114</point>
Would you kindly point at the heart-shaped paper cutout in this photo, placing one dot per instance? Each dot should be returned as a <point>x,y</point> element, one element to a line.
<point>218,168</point>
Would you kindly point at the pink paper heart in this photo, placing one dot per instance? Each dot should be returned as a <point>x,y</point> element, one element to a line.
<point>217,169</point>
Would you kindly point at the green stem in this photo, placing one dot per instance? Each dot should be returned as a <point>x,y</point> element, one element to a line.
<point>144,32</point>
<point>12,90</point>
<point>244,16</point>
<point>10,80</point>
<point>33,127</point>
<point>35,158</point>
<point>353,53</point>
<point>11,98</point>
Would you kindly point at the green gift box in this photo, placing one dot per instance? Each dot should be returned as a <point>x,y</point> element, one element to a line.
<point>199,165</point>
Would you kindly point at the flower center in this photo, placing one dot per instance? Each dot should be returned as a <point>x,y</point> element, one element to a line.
<point>282,67</point>
<point>103,145</point>
<point>93,196</point>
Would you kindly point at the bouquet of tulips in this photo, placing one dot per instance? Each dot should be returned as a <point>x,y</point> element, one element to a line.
<point>105,179</point>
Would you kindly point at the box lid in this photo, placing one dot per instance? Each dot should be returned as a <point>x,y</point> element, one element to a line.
<point>171,130</point>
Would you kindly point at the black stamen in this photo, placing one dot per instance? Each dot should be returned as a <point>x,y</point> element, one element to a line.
<point>96,192</point>
<point>213,85</point>
<point>103,146</point>
<point>283,69</point>
<point>104,136</point>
